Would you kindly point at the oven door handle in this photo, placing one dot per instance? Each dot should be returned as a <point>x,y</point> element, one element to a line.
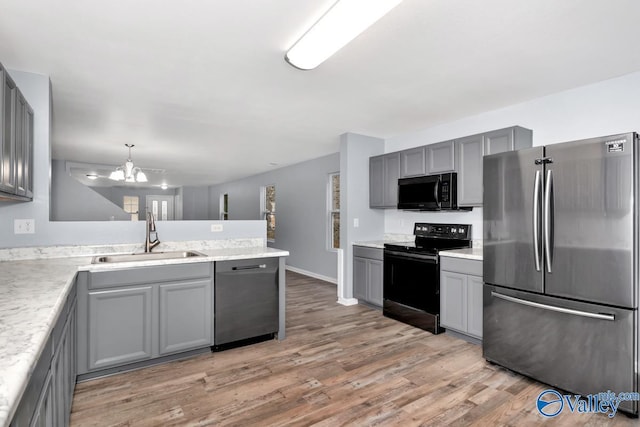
<point>433,259</point>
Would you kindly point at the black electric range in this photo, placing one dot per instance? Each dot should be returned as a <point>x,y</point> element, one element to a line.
<point>412,273</point>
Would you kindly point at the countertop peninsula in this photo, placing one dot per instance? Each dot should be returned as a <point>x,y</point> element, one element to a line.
<point>32,295</point>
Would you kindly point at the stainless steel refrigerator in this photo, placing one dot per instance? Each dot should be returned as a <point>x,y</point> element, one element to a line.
<point>561,235</point>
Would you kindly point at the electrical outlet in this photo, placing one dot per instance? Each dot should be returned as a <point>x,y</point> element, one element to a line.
<point>24,226</point>
<point>356,222</point>
<point>216,228</point>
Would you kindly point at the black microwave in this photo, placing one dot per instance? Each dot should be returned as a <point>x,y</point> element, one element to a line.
<point>428,193</point>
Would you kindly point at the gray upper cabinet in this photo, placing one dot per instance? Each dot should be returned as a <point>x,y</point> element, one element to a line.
<point>384,172</point>
<point>376,182</point>
<point>7,118</point>
<point>463,156</point>
<point>441,157</point>
<point>20,121</point>
<point>413,162</point>
<point>470,151</point>
<point>508,139</point>
<point>428,159</point>
<point>16,138</point>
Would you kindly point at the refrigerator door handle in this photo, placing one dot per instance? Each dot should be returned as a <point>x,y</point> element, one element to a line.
<point>600,316</point>
<point>548,221</point>
<point>536,220</point>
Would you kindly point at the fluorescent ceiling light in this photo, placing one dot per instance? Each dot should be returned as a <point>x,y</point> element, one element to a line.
<point>343,22</point>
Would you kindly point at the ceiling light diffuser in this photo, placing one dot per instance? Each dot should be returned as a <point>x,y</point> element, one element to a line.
<point>343,22</point>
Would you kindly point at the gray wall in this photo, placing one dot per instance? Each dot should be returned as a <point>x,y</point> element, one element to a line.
<point>355,151</point>
<point>36,89</point>
<point>302,221</point>
<point>195,203</point>
<point>74,201</point>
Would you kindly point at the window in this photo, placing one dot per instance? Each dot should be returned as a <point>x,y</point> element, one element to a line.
<point>334,210</point>
<point>269,210</point>
<point>224,206</point>
<point>131,205</point>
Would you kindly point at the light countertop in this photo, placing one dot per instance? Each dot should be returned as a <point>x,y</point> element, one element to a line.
<point>467,253</point>
<point>32,295</point>
<point>377,244</point>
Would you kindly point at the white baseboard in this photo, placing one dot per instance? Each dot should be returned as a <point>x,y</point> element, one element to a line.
<point>347,301</point>
<point>314,275</point>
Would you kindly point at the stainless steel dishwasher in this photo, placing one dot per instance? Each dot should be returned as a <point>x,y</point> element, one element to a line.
<point>246,299</point>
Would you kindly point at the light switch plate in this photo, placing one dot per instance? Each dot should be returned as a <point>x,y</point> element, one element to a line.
<point>356,222</point>
<point>216,228</point>
<point>24,226</point>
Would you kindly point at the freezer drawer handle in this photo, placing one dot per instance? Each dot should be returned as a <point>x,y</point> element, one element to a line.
<point>250,267</point>
<point>600,316</point>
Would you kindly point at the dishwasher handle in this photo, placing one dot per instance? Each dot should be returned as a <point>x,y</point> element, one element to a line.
<point>249,267</point>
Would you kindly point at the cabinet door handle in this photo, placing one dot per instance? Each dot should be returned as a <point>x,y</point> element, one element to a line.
<point>249,267</point>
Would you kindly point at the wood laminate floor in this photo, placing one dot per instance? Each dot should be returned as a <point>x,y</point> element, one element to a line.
<point>338,366</point>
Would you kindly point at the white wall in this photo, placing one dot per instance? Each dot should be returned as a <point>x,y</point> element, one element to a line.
<point>36,90</point>
<point>604,108</point>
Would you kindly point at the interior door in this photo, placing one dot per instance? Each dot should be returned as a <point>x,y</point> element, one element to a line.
<point>591,196</point>
<point>511,219</point>
<point>161,207</point>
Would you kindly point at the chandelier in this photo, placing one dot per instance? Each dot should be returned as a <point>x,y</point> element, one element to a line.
<point>128,172</point>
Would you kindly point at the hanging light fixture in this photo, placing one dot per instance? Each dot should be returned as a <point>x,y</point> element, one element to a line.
<point>343,22</point>
<point>128,172</point>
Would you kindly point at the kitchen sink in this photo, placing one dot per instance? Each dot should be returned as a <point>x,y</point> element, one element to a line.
<point>145,256</point>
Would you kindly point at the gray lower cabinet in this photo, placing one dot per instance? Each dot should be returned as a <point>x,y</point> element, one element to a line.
<point>119,323</point>
<point>133,315</point>
<point>384,172</point>
<point>461,295</point>
<point>368,274</point>
<point>182,330</point>
<point>47,398</point>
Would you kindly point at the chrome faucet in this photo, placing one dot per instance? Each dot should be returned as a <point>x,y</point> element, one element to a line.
<point>151,228</point>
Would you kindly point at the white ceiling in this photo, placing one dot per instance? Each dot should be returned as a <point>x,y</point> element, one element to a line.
<point>202,84</point>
